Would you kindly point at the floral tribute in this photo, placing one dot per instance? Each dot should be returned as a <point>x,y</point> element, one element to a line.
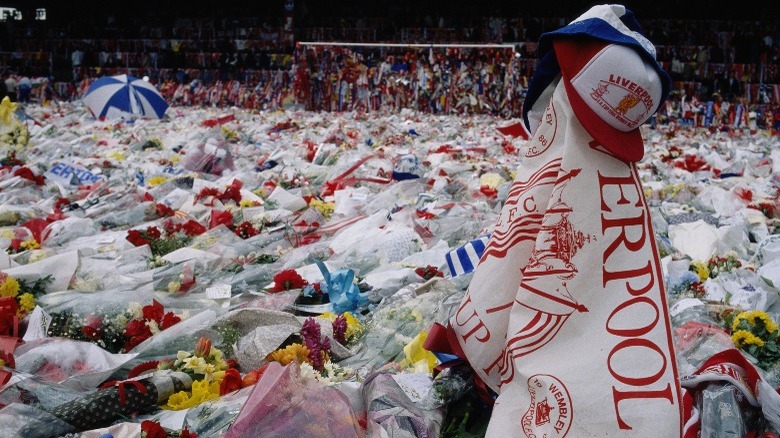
<point>756,333</point>
<point>118,333</point>
<point>21,291</point>
<point>211,375</point>
<point>173,236</point>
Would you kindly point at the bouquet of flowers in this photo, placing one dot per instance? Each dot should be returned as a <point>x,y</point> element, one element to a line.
<point>173,236</point>
<point>22,292</point>
<point>756,333</point>
<point>118,333</point>
<point>210,373</point>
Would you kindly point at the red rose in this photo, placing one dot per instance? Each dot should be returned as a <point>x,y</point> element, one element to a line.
<point>231,382</point>
<point>154,311</point>
<point>135,237</point>
<point>152,429</point>
<point>168,320</point>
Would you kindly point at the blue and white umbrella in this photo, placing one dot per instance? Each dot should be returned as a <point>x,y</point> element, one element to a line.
<point>118,95</point>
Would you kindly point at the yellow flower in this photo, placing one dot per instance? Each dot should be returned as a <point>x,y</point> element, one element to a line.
<point>751,316</point>
<point>326,208</point>
<point>156,180</point>
<point>289,354</point>
<point>6,233</point>
<point>491,180</point>
<point>744,337</point>
<point>29,244</point>
<point>701,270</point>
<point>248,203</point>
<point>174,286</point>
<point>202,391</point>
<point>259,192</point>
<point>175,159</point>
<point>116,155</point>
<point>9,288</point>
<point>196,364</point>
<point>354,327</point>
<point>26,303</point>
<point>416,354</point>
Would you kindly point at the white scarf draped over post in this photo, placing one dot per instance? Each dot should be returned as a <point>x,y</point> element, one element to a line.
<point>565,318</point>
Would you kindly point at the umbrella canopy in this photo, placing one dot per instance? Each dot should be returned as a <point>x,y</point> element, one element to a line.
<point>114,95</point>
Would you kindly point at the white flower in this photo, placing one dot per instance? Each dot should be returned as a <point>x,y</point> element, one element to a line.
<point>182,355</point>
<point>135,310</point>
<point>153,327</point>
<point>308,372</point>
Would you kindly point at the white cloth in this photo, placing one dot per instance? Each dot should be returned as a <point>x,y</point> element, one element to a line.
<point>565,317</point>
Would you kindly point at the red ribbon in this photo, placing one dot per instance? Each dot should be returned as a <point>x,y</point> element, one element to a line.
<point>121,385</point>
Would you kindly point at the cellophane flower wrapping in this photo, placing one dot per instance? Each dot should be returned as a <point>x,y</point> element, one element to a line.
<point>35,391</point>
<point>284,404</point>
<point>399,319</point>
<point>22,420</point>
<point>74,364</point>
<point>392,413</point>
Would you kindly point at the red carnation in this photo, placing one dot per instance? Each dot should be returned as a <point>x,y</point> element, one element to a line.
<point>171,227</point>
<point>137,328</point>
<point>135,237</point>
<point>153,232</point>
<point>288,279</point>
<point>154,311</point>
<point>168,320</point>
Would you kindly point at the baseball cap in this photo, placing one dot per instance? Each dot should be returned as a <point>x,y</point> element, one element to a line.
<point>612,89</point>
